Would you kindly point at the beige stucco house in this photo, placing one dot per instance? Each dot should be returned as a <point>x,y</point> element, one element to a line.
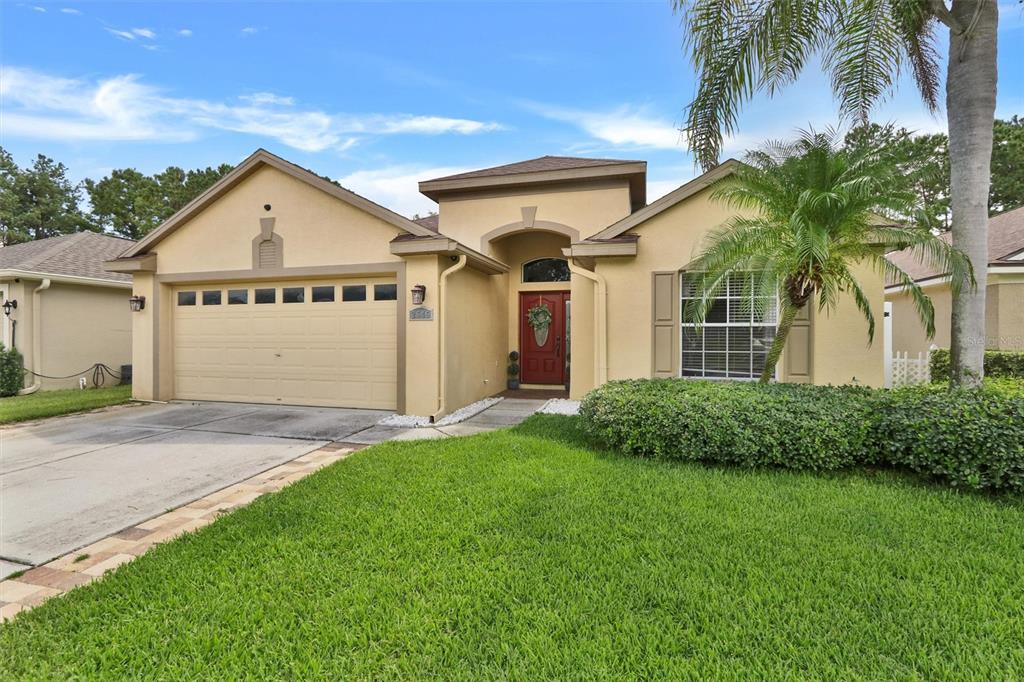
<point>278,286</point>
<point>1004,305</point>
<point>67,311</point>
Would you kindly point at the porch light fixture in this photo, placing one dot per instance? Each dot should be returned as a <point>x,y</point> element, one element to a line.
<point>9,306</point>
<point>419,294</point>
<point>137,303</point>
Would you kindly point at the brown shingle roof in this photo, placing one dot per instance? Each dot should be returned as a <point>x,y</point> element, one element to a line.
<point>431,222</point>
<point>1005,238</point>
<point>74,255</point>
<point>540,164</point>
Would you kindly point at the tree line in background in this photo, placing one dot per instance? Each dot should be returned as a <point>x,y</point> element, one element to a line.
<point>924,163</point>
<point>40,200</point>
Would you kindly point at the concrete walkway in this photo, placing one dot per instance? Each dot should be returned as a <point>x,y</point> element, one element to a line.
<point>508,412</point>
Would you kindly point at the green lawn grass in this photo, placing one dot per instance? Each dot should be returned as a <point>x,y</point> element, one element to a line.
<point>52,403</point>
<point>527,554</point>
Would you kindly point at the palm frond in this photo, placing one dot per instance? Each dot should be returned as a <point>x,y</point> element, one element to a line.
<point>864,61</point>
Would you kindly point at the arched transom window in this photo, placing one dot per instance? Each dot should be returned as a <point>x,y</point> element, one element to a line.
<point>546,270</point>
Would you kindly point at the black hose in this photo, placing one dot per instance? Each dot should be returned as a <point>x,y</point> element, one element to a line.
<point>99,372</point>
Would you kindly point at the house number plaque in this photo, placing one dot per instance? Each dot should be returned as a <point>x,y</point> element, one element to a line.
<point>421,314</point>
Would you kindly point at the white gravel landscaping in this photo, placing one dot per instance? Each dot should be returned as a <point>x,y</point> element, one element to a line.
<point>560,406</point>
<point>459,415</point>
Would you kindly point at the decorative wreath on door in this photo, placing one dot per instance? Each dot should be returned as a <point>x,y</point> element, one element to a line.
<point>539,318</point>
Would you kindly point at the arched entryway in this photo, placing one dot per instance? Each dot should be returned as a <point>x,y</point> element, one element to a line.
<point>538,281</point>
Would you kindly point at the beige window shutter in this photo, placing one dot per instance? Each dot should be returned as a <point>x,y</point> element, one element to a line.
<point>665,321</point>
<point>798,364</point>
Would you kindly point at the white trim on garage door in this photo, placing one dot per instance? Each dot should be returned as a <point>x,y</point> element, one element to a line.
<point>294,350</point>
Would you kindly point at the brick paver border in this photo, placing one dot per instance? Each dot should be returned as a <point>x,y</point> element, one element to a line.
<point>84,565</point>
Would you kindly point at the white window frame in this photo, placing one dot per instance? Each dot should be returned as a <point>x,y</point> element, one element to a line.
<point>684,325</point>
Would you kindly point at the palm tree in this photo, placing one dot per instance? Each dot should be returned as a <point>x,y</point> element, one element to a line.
<point>808,212</point>
<point>743,46</point>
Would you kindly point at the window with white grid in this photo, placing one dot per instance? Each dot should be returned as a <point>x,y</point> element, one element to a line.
<point>737,332</point>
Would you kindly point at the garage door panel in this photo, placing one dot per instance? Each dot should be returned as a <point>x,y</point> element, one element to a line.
<point>338,354</point>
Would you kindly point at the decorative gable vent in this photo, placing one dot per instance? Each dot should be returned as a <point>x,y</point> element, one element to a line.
<point>268,256</point>
<point>267,247</point>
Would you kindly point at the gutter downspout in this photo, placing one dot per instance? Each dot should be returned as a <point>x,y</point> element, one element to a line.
<point>442,364</point>
<point>37,342</point>
<point>600,317</point>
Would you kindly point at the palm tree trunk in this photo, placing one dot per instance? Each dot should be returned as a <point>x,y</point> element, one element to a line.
<point>789,312</point>
<point>970,111</point>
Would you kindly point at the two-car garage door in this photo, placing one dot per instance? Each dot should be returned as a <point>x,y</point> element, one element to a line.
<point>324,342</point>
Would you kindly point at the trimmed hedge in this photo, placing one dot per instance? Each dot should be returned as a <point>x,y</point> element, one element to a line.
<point>998,364</point>
<point>12,373</point>
<point>972,439</point>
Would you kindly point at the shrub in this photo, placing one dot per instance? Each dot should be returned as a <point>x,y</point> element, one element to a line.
<point>786,425</point>
<point>998,364</point>
<point>11,371</point>
<point>968,438</point>
<point>1010,388</point>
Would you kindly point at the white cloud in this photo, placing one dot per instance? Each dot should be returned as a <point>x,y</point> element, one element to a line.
<point>38,105</point>
<point>144,33</point>
<point>185,33</point>
<point>69,10</point>
<point>268,98</point>
<point>39,9</point>
<point>625,126</point>
<point>397,186</point>
<point>125,35</point>
<point>250,30</point>
<point>436,125</point>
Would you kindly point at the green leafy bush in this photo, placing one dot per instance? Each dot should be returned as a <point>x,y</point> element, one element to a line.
<point>1010,388</point>
<point>785,425</point>
<point>11,371</point>
<point>998,364</point>
<point>969,438</point>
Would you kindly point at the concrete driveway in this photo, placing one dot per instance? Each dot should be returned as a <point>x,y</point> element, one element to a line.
<point>68,482</point>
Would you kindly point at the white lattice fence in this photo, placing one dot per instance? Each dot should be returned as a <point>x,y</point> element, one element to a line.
<point>907,370</point>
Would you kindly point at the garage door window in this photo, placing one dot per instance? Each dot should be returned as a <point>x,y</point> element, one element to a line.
<point>211,298</point>
<point>238,296</point>
<point>385,292</point>
<point>355,292</point>
<point>266,295</point>
<point>293,294</point>
<point>186,298</point>
<point>323,294</point>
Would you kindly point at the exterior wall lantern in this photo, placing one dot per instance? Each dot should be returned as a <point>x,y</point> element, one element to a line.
<point>419,294</point>
<point>137,303</point>
<point>9,306</point>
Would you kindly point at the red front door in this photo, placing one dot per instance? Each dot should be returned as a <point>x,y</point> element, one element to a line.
<point>542,357</point>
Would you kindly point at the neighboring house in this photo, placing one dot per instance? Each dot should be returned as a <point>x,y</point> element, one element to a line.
<point>278,286</point>
<point>71,312</point>
<point>1004,306</point>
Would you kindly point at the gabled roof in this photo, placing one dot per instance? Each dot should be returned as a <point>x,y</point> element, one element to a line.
<point>543,170</point>
<point>541,163</point>
<point>81,254</point>
<point>1005,247</point>
<point>257,160</point>
<point>666,202</point>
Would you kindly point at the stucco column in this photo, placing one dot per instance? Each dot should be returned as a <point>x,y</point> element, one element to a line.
<point>144,351</point>
<point>422,352</point>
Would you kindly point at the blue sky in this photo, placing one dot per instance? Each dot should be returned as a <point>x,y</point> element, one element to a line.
<point>381,95</point>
